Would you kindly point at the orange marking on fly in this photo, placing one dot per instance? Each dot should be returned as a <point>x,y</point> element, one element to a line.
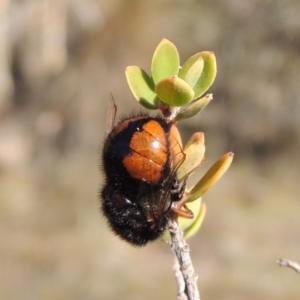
<point>122,126</point>
<point>149,153</point>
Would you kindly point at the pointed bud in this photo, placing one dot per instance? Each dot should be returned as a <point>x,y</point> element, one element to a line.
<point>211,177</point>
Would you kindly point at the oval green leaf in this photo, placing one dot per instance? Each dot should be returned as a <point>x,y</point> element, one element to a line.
<point>191,70</point>
<point>208,74</point>
<point>194,108</point>
<point>142,87</point>
<point>174,91</point>
<point>165,61</point>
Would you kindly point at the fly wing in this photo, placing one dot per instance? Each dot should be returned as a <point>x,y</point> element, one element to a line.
<point>176,158</point>
<point>111,117</point>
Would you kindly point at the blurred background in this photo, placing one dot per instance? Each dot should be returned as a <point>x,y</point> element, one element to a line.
<point>60,61</point>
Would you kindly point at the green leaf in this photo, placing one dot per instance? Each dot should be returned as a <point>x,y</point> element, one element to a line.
<point>174,91</point>
<point>142,87</point>
<point>208,74</point>
<point>191,70</point>
<point>165,61</point>
<point>194,108</point>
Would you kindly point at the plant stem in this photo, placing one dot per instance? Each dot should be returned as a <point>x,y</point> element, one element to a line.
<point>182,252</point>
<point>290,264</point>
<point>181,295</point>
